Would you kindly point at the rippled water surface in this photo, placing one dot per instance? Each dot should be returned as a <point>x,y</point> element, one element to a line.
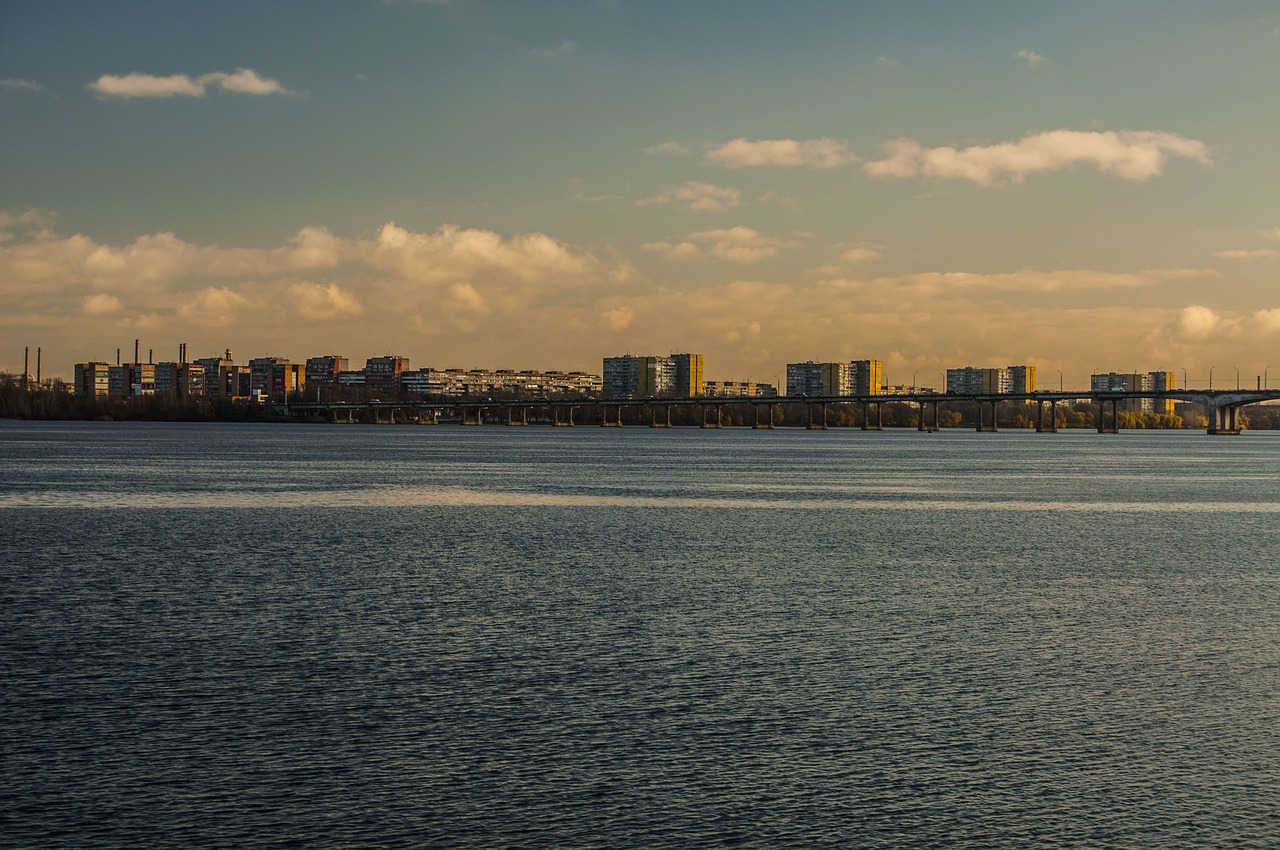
<point>347,636</point>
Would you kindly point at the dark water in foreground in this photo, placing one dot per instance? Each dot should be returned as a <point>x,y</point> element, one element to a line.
<point>220,635</point>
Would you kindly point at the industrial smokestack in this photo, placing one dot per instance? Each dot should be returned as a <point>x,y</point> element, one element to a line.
<point>38,380</point>
<point>117,357</point>
<point>151,355</point>
<point>26,366</point>
<point>137,351</point>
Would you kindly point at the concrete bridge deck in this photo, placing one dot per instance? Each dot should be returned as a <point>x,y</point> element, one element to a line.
<point>1221,407</point>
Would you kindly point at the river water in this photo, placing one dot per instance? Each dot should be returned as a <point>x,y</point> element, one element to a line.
<point>222,635</point>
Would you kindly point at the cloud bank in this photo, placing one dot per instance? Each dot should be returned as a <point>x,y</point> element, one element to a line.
<point>698,197</point>
<point>1128,154</point>
<point>784,153</point>
<point>460,296</point>
<point>241,81</point>
<point>739,245</point>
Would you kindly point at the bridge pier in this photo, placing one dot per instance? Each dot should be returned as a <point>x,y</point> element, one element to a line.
<point>983,426</point>
<point>705,422</point>
<point>867,424</point>
<point>1222,420</point>
<point>1103,426</point>
<point>1050,427</point>
<point>524,416</point>
<point>653,416</point>
<point>922,422</point>
<point>759,424</point>
<point>818,426</point>
<point>604,416</point>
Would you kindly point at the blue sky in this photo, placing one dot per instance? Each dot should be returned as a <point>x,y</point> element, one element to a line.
<point>1084,186</point>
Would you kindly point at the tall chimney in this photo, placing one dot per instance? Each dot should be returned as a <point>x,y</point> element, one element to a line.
<point>117,357</point>
<point>38,367</point>
<point>151,355</point>
<point>137,352</point>
<point>26,366</point>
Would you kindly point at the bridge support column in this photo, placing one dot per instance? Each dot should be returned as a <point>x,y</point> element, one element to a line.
<point>1050,427</point>
<point>923,423</point>
<point>706,423</point>
<point>768,409</point>
<point>1222,420</point>
<point>868,423</point>
<point>814,425</point>
<point>1103,426</point>
<point>983,426</point>
<point>665,422</point>
<point>604,416</point>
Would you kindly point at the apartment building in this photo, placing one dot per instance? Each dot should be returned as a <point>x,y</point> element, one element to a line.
<point>819,379</point>
<point>866,377</point>
<point>974,380</point>
<point>325,369</point>
<point>383,373</point>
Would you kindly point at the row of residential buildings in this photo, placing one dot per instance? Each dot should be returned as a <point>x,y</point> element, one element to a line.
<point>624,376</point>
<point>1017,380</point>
<point>265,378</point>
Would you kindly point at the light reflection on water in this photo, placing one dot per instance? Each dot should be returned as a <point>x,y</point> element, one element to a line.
<point>346,636</point>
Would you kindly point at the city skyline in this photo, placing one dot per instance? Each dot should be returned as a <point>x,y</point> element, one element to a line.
<point>496,184</point>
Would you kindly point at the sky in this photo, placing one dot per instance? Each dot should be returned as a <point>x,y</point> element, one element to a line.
<point>1082,187</point>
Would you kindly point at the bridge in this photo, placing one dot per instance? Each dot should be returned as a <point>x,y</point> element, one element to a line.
<point>1221,406</point>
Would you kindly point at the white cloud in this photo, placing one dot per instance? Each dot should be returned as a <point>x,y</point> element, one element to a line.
<point>321,302</point>
<point>102,303</point>
<point>606,198</point>
<point>930,285</point>
<point>216,306</point>
<point>886,62</point>
<point>241,81</point>
<point>1197,322</point>
<point>700,197</point>
<point>146,85</point>
<point>786,153</point>
<point>1241,254</point>
<point>22,85</point>
<point>1274,234</point>
<point>1129,154</point>
<point>739,245</point>
<point>30,224</point>
<point>244,81</point>
<point>1267,321</point>
<point>453,252</point>
<point>552,52</point>
<point>619,319</point>
<point>854,254</point>
<point>1031,56</point>
<point>667,149</point>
